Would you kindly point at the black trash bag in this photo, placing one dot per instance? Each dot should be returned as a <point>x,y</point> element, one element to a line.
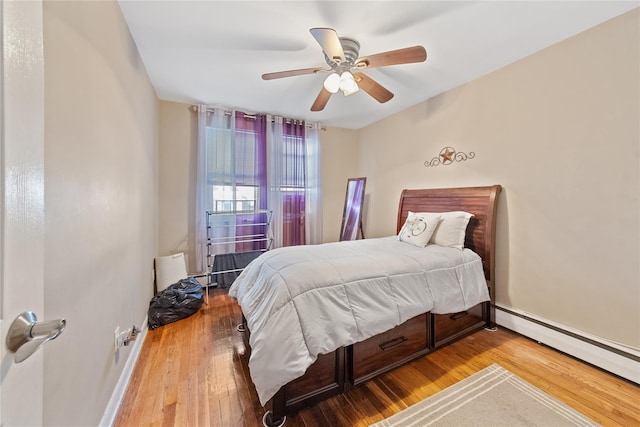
<point>176,302</point>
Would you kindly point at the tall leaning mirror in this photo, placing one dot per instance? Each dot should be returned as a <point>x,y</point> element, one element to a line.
<point>352,214</point>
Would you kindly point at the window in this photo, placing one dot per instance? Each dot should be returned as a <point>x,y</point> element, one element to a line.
<point>227,198</point>
<point>241,176</point>
<point>235,166</point>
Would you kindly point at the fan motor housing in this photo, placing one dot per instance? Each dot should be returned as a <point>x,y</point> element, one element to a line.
<point>351,50</point>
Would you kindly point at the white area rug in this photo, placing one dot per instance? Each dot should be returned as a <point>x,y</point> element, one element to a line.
<point>491,397</point>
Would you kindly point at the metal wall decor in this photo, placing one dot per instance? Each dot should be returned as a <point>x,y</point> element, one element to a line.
<point>448,155</point>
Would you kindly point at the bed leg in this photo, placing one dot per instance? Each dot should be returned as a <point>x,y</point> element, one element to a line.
<point>269,421</point>
<point>242,327</point>
<point>488,314</point>
<point>276,417</point>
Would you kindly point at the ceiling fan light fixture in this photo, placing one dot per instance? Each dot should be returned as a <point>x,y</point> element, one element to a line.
<point>347,82</point>
<point>332,83</point>
<point>342,55</point>
<point>352,91</point>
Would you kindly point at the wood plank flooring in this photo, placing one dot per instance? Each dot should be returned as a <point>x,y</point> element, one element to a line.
<point>194,373</point>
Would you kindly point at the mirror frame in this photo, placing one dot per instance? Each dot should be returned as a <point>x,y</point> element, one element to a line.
<point>352,213</point>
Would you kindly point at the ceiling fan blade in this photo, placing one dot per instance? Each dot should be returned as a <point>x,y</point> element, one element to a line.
<point>373,88</point>
<point>330,43</point>
<point>321,100</point>
<point>401,56</point>
<point>290,73</point>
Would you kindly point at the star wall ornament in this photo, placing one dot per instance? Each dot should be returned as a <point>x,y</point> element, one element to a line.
<point>447,156</point>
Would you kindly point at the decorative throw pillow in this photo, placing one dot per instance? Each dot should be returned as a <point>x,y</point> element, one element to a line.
<point>418,228</point>
<point>452,229</point>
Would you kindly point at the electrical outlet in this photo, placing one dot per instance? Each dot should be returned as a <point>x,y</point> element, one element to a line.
<point>126,336</point>
<point>116,339</point>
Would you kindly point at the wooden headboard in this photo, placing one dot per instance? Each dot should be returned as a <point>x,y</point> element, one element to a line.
<point>482,202</point>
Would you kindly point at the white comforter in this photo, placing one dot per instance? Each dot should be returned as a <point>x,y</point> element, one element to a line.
<point>303,301</point>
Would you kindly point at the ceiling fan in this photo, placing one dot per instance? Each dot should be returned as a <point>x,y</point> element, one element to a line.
<point>341,55</point>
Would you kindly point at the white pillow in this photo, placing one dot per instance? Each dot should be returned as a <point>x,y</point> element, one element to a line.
<point>418,228</point>
<point>452,229</point>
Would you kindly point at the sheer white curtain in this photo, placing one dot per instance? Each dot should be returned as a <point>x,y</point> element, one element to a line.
<point>313,214</point>
<point>275,163</point>
<point>202,204</point>
<point>215,161</point>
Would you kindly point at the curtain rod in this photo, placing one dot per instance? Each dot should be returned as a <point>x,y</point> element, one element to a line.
<point>251,116</point>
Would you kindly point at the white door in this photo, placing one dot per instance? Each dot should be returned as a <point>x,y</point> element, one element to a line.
<point>22,202</point>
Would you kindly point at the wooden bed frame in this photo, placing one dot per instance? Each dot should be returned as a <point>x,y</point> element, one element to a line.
<point>334,372</point>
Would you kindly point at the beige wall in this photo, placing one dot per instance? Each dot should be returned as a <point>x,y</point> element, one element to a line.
<point>339,162</point>
<point>560,131</point>
<point>101,171</point>
<point>177,161</point>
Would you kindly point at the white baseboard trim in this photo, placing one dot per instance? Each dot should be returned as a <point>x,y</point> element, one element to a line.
<point>110,413</point>
<point>612,357</point>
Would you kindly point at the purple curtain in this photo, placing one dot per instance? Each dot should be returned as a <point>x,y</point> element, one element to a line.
<point>293,174</point>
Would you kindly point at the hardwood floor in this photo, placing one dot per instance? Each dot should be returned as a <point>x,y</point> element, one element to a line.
<point>194,373</point>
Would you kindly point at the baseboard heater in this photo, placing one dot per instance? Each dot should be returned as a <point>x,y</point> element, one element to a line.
<point>615,358</point>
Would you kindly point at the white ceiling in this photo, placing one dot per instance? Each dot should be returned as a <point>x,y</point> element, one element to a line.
<point>214,52</point>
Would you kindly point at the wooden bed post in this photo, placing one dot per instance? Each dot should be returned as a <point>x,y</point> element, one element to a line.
<point>277,416</point>
<point>490,241</point>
